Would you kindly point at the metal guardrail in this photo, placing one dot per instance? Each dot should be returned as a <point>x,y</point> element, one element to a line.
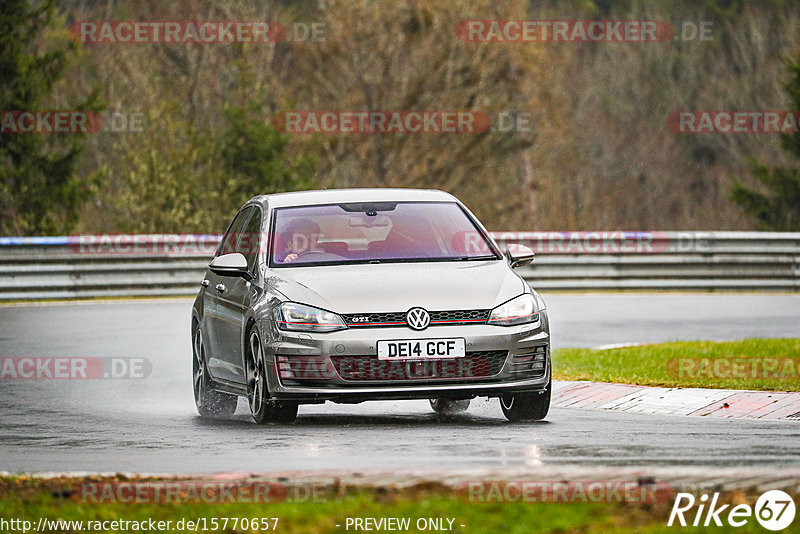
<point>172,265</point>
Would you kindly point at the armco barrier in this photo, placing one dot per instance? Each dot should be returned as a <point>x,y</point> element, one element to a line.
<point>163,265</point>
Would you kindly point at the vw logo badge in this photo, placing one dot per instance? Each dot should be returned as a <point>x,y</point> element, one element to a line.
<point>418,318</point>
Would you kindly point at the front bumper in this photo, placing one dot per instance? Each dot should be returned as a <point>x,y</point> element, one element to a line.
<point>343,366</point>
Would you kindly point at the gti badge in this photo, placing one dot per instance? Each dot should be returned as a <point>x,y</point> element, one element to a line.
<point>418,318</point>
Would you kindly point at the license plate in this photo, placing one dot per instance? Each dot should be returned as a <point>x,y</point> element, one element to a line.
<point>416,349</point>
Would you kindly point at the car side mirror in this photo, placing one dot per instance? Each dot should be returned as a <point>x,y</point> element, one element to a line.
<point>234,264</point>
<point>519,255</point>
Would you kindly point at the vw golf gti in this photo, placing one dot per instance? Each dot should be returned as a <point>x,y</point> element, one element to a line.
<point>353,295</point>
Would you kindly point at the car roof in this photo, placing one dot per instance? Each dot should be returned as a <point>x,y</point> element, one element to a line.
<point>335,196</point>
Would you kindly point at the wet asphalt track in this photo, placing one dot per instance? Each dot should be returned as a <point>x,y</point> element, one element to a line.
<point>150,425</point>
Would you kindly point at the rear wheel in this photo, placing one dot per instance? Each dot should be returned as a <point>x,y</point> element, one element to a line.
<point>263,409</point>
<point>526,406</point>
<point>210,403</point>
<point>449,406</point>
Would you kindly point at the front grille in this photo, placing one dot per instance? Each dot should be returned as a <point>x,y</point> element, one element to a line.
<point>365,320</point>
<point>530,363</point>
<point>438,318</point>
<point>475,365</point>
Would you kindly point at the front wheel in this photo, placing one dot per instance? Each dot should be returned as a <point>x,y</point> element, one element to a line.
<point>518,407</point>
<point>210,403</point>
<point>449,406</point>
<point>262,408</point>
<point>283,412</point>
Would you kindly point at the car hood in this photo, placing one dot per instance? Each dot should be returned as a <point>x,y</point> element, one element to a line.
<point>396,287</point>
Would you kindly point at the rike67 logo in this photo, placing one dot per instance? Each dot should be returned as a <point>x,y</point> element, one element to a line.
<point>774,510</point>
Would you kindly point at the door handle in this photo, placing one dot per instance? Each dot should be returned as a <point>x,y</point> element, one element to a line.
<point>205,283</point>
<point>220,287</point>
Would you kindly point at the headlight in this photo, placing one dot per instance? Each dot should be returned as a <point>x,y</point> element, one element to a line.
<point>520,310</point>
<point>291,316</point>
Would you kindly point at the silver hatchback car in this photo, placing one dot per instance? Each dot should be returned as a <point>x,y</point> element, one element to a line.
<point>366,294</point>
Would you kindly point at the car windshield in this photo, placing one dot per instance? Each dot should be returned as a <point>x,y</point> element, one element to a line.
<point>376,232</point>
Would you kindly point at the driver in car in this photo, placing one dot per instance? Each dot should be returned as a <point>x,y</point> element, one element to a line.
<point>301,237</point>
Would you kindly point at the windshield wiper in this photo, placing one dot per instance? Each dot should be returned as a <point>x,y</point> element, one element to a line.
<point>473,258</point>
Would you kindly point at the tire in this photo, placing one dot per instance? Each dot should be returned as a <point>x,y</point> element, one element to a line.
<point>522,407</point>
<point>283,412</point>
<point>449,406</point>
<point>209,403</point>
<point>262,408</point>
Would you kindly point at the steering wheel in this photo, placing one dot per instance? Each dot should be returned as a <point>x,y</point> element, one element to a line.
<point>322,253</point>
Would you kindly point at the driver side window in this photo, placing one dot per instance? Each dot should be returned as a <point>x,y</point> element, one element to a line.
<point>231,242</point>
<point>251,240</point>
